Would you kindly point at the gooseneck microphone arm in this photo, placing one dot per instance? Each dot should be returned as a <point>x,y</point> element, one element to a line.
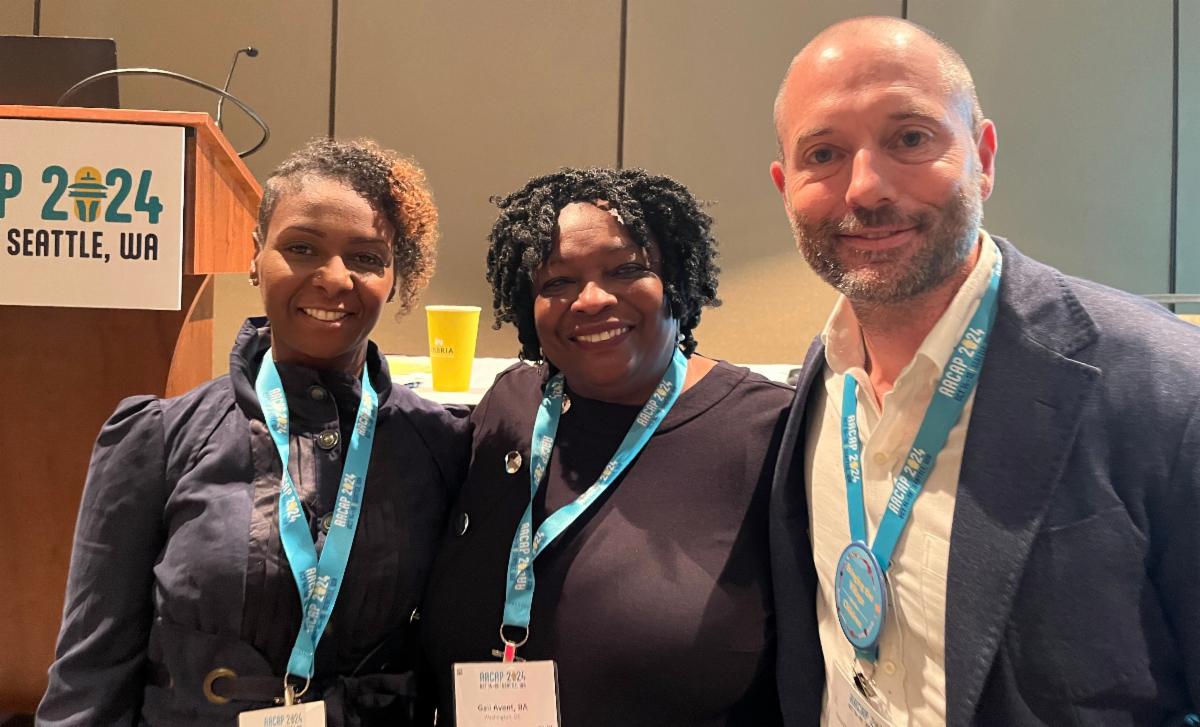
<point>250,51</point>
<point>266,131</point>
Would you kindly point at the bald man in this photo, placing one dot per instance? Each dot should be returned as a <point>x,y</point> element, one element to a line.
<point>1001,462</point>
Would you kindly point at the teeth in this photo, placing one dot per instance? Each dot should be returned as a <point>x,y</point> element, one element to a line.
<point>325,315</point>
<point>604,336</point>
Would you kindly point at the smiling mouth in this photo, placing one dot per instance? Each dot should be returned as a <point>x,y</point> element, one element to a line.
<point>328,316</point>
<point>877,234</point>
<point>603,335</point>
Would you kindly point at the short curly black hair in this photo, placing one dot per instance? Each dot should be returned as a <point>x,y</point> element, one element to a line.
<point>652,208</point>
<point>390,183</point>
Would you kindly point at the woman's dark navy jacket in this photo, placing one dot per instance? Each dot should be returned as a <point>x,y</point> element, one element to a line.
<point>178,570</point>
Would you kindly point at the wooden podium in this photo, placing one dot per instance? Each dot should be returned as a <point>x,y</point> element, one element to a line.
<point>65,369</point>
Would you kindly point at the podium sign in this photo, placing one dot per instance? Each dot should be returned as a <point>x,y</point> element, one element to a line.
<point>91,214</point>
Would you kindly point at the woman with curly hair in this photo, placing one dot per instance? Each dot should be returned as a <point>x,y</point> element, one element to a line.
<point>629,546</point>
<point>266,536</point>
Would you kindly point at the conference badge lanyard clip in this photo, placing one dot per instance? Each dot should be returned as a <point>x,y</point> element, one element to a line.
<point>860,583</point>
<point>527,691</point>
<point>317,579</point>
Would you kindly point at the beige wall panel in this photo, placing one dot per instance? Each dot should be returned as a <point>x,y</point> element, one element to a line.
<point>1081,94</point>
<point>701,81</point>
<point>16,17</point>
<point>287,84</point>
<point>484,95</point>
<point>1187,275</point>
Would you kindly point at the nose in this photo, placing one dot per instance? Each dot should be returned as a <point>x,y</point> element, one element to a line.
<point>869,183</point>
<point>593,299</point>
<point>333,277</point>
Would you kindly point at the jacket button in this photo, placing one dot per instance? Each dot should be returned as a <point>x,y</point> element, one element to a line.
<point>326,522</point>
<point>317,393</point>
<point>328,439</point>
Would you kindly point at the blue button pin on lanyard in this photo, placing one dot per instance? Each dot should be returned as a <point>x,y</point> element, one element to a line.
<point>318,580</point>
<point>860,583</point>
<point>527,544</point>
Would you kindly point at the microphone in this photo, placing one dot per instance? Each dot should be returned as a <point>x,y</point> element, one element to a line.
<point>250,51</point>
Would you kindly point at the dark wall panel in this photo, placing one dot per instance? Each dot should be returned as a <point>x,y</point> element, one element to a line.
<point>1187,199</point>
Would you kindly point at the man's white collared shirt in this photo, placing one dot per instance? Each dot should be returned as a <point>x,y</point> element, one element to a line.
<point>910,674</point>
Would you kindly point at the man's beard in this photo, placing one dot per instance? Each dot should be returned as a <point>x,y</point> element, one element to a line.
<point>946,238</point>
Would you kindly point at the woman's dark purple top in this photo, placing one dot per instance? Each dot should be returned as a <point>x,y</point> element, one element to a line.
<point>178,569</point>
<point>656,603</point>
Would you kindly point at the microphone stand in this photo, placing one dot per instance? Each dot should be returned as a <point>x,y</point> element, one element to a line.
<point>266,131</point>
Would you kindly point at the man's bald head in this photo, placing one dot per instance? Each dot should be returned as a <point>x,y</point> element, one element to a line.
<point>893,40</point>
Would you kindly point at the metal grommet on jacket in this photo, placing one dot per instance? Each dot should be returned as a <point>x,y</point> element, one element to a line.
<point>220,672</point>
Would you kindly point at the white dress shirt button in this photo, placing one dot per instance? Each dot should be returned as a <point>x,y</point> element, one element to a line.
<point>889,667</point>
<point>880,458</point>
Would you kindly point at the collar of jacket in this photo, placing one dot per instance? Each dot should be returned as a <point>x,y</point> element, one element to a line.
<point>251,345</point>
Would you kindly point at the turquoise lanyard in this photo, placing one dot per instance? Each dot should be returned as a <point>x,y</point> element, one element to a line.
<point>526,545</point>
<point>317,580</point>
<point>954,387</point>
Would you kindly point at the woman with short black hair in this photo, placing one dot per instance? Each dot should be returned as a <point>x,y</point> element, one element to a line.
<point>629,546</point>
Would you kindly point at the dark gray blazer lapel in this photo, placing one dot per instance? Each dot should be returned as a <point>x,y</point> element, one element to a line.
<point>791,449</point>
<point>1024,421</point>
<point>800,668</point>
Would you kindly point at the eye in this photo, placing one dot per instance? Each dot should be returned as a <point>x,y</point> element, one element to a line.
<point>631,270</point>
<point>370,260</point>
<point>821,155</point>
<point>912,139</point>
<point>299,248</point>
<point>554,286</point>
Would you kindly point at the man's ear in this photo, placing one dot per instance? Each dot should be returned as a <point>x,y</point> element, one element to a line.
<point>985,150</point>
<point>777,175</point>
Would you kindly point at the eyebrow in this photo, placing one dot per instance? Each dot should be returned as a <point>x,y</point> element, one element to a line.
<point>808,136</point>
<point>919,113</point>
<point>320,233</point>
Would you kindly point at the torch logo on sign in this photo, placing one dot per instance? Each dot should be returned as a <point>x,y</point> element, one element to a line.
<point>87,191</point>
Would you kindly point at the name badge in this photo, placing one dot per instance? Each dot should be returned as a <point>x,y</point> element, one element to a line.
<point>516,694</point>
<point>861,593</point>
<point>848,707</point>
<point>296,715</point>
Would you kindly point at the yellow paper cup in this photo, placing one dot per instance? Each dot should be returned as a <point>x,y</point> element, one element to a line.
<point>452,332</point>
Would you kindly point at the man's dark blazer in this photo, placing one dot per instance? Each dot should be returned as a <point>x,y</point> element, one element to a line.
<point>1073,588</point>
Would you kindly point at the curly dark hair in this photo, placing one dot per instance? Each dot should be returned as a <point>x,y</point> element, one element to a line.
<point>651,207</point>
<point>389,182</point>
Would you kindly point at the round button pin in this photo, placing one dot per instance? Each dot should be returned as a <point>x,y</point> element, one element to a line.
<point>328,439</point>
